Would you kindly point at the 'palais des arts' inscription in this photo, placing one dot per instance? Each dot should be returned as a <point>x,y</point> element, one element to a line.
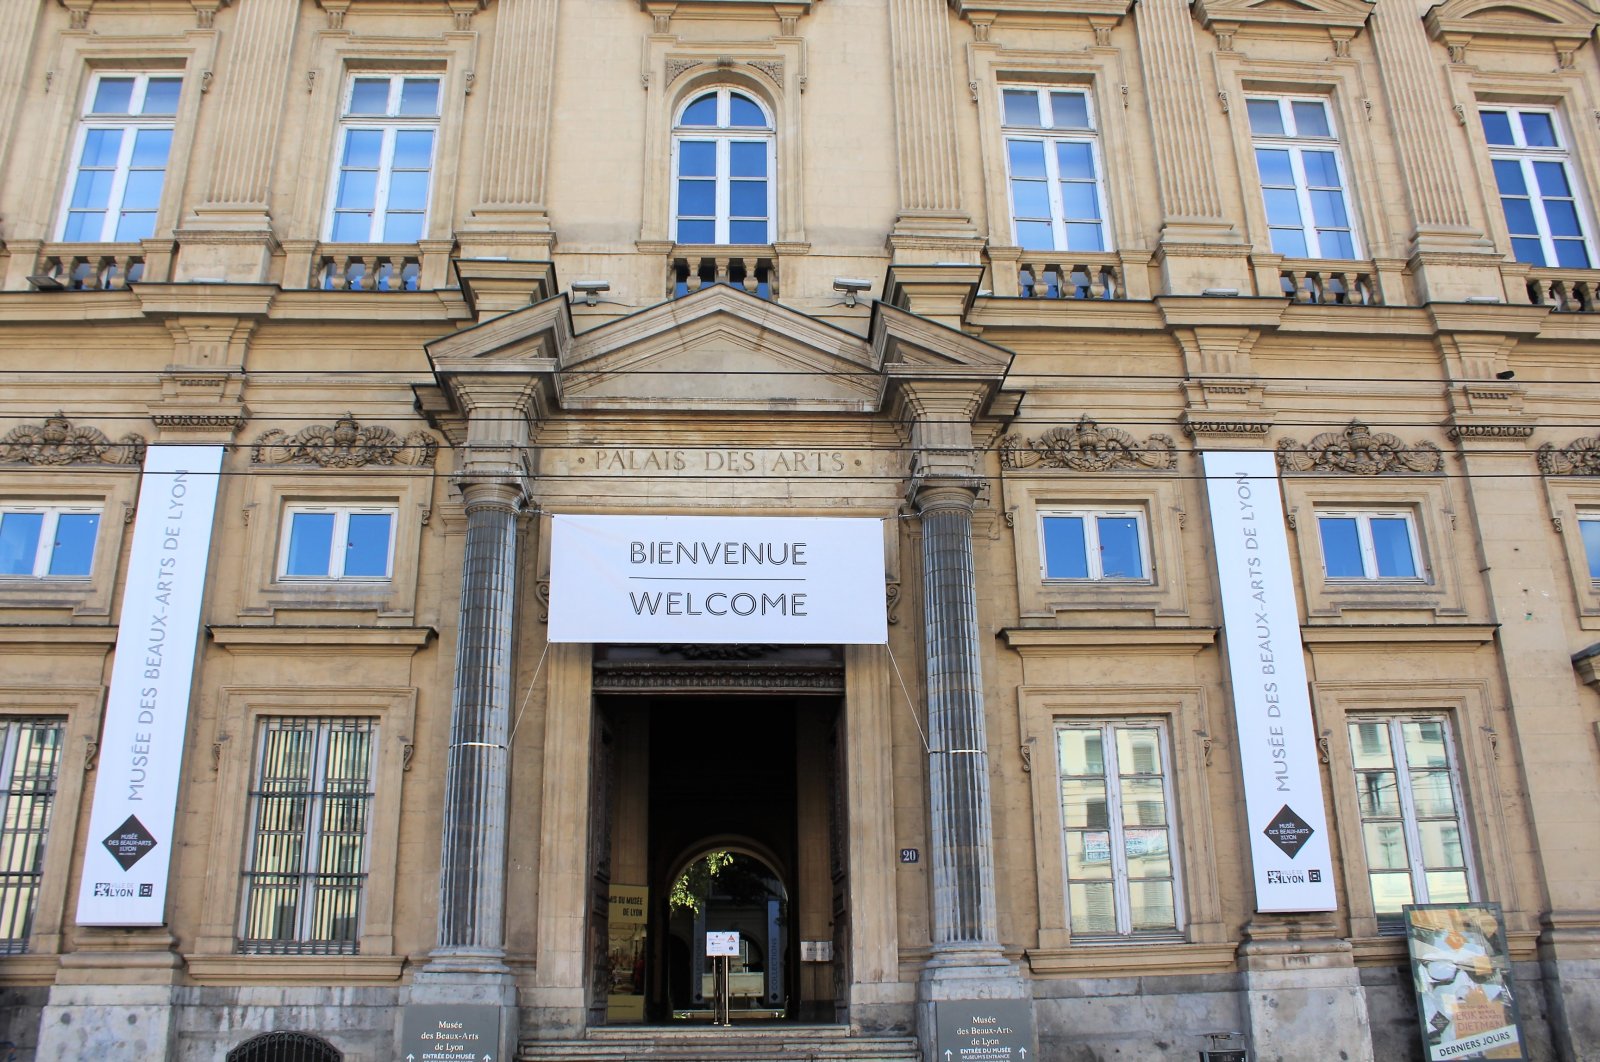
<point>712,461</point>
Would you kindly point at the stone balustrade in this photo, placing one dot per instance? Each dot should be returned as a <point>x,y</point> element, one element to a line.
<point>1078,277</point>
<point>96,267</point>
<point>1329,285</point>
<point>754,270</point>
<point>1564,290</point>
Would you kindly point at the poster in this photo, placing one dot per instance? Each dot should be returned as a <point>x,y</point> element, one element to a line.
<point>625,948</point>
<point>1462,975</point>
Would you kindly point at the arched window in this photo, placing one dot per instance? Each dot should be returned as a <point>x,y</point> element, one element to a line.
<point>722,164</point>
<point>285,1047</point>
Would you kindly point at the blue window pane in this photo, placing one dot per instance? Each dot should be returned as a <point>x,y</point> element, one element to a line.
<point>151,148</point>
<point>1497,127</point>
<point>697,199</point>
<point>1022,108</point>
<point>352,227</point>
<point>1519,216</point>
<point>114,95</point>
<point>357,189</point>
<point>73,550</point>
<point>1119,548</point>
<point>419,96</point>
<point>1327,208</point>
<point>702,111</point>
<point>1391,542</point>
<point>1065,554</point>
<point>744,114</point>
<point>310,543</point>
<point>1030,199</point>
<point>143,190</point>
<point>408,190</point>
<point>370,95</point>
<point>101,147</point>
<point>1508,177</point>
<point>1079,201</point>
<point>92,189</point>
<point>1310,118</point>
<point>366,552</point>
<point>747,232</point>
<point>1572,254</point>
<point>1563,218</point>
<point>132,227</point>
<point>1027,158</point>
<point>1075,161</point>
<point>1291,243</point>
<point>363,148</point>
<point>697,158</point>
<point>1070,110</point>
<point>1283,208</point>
<point>19,541</point>
<point>1527,251</point>
<point>1341,547</point>
<point>84,226</point>
<point>1035,236</point>
<point>1265,117</point>
<point>696,231</point>
<point>1084,237</point>
<point>413,149</point>
<point>1590,530</point>
<point>1552,178</point>
<point>747,199</point>
<point>1275,167</point>
<point>161,95</point>
<point>1336,244</point>
<point>1322,170</point>
<point>747,160</point>
<point>402,228</point>
<point>1538,130</point>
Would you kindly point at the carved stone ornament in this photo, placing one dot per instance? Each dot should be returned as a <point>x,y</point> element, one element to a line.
<point>1581,457</point>
<point>1087,447</point>
<point>1358,451</point>
<point>59,442</point>
<point>345,444</point>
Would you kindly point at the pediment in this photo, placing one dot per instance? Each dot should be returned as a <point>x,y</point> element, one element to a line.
<point>1339,14</point>
<point>1558,20</point>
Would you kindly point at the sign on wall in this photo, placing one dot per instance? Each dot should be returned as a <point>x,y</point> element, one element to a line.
<point>717,579</point>
<point>1271,705</point>
<point>130,845</point>
<point>1462,974</point>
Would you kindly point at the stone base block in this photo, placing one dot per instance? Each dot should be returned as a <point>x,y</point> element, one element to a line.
<point>109,1023</point>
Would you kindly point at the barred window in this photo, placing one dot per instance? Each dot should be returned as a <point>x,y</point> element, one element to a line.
<point>30,758</point>
<point>310,804</point>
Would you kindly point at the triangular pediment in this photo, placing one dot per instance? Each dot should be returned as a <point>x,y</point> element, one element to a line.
<point>1267,14</point>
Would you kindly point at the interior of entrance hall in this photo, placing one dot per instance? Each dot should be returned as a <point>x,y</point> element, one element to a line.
<point>716,813</point>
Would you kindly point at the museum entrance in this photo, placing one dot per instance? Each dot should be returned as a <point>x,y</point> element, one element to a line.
<point>715,814</point>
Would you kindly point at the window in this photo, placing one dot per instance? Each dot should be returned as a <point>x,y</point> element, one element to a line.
<point>47,541</point>
<point>123,143</point>
<point>1302,177</point>
<point>385,159</point>
<point>1094,544</point>
<point>310,803</point>
<point>1118,830</point>
<point>337,542</point>
<point>1543,213</point>
<point>1410,803</point>
<point>1053,166</point>
<point>1369,545</point>
<point>722,164</point>
<point>1589,529</point>
<point>30,756</point>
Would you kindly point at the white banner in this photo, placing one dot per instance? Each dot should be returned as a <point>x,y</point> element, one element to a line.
<point>129,847</point>
<point>1271,704</point>
<point>717,579</point>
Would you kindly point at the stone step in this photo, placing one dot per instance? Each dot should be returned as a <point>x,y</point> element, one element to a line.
<point>810,1043</point>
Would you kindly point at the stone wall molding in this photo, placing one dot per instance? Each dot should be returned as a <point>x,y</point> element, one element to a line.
<point>345,444</point>
<point>1358,450</point>
<point>60,442</point>
<point>1088,447</point>
<point>1580,457</point>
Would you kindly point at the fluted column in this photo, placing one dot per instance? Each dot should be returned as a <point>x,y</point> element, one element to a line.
<point>252,83</point>
<point>18,20</point>
<point>472,860</point>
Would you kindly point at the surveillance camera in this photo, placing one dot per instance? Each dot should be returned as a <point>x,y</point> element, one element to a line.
<point>851,284</point>
<point>590,289</point>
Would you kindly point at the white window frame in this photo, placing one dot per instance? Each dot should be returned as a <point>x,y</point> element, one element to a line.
<point>723,136</point>
<point>389,124</point>
<point>130,125</point>
<point>1409,819</point>
<point>1296,144</point>
<point>1525,156</point>
<point>1049,135</point>
<point>1369,553</point>
<point>1586,521</point>
<point>22,842</point>
<point>1091,545</point>
<point>1116,826</point>
<point>44,552</point>
<point>341,522</point>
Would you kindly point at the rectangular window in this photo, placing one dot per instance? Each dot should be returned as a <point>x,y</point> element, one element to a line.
<point>1053,169</point>
<point>1369,545</point>
<point>30,758</point>
<point>1410,802</point>
<point>385,159</point>
<point>1544,214</point>
<point>1589,528</point>
<point>1302,177</point>
<point>1094,544</point>
<point>310,803</point>
<point>47,541</point>
<point>1115,812</point>
<point>337,542</point>
<point>124,140</point>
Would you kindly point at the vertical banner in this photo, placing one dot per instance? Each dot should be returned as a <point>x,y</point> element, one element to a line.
<point>1271,705</point>
<point>129,845</point>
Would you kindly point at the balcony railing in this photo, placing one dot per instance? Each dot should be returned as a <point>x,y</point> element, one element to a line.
<point>367,270</point>
<point>754,271</point>
<point>101,268</point>
<point>1565,291</point>
<point>1070,278</point>
<point>1319,286</point>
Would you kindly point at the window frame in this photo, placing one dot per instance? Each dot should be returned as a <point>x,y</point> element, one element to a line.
<point>1050,135</point>
<point>1296,144</point>
<point>1093,548</point>
<point>132,123</point>
<point>24,880</point>
<point>1368,549</point>
<point>723,136</point>
<point>1526,156</point>
<point>44,549</point>
<point>340,531</point>
<point>389,124</point>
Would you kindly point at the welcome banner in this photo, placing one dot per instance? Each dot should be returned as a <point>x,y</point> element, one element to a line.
<point>717,579</point>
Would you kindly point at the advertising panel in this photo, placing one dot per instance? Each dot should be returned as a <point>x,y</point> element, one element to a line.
<point>1271,705</point>
<point>129,846</point>
<point>1462,974</point>
<point>717,579</point>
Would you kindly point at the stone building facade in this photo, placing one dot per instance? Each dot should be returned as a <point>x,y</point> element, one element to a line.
<point>431,274</point>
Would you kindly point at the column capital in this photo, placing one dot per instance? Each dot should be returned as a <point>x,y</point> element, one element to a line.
<point>945,494</point>
<point>494,495</point>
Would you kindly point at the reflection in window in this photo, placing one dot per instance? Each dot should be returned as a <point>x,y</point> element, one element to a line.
<point>385,160</point>
<point>1302,177</point>
<point>335,542</point>
<point>47,541</point>
<point>1543,211</point>
<point>30,759</point>
<point>124,141</point>
<point>1369,545</point>
<point>1094,544</point>
<point>1053,169</point>
<point>722,166</point>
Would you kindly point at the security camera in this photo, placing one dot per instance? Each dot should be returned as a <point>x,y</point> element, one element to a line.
<point>851,286</point>
<point>591,289</point>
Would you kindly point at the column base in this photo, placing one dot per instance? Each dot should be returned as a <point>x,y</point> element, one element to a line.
<point>451,984</point>
<point>1569,958</point>
<point>1303,994</point>
<point>114,1023</point>
<point>965,973</point>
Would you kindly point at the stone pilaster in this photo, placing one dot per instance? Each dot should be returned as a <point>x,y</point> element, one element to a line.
<point>17,24</point>
<point>1302,991</point>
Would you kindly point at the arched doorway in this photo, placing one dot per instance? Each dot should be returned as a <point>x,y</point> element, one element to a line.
<point>725,889</point>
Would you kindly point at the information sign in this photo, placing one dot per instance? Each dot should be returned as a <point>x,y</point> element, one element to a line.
<point>433,1032</point>
<point>722,944</point>
<point>984,1030</point>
